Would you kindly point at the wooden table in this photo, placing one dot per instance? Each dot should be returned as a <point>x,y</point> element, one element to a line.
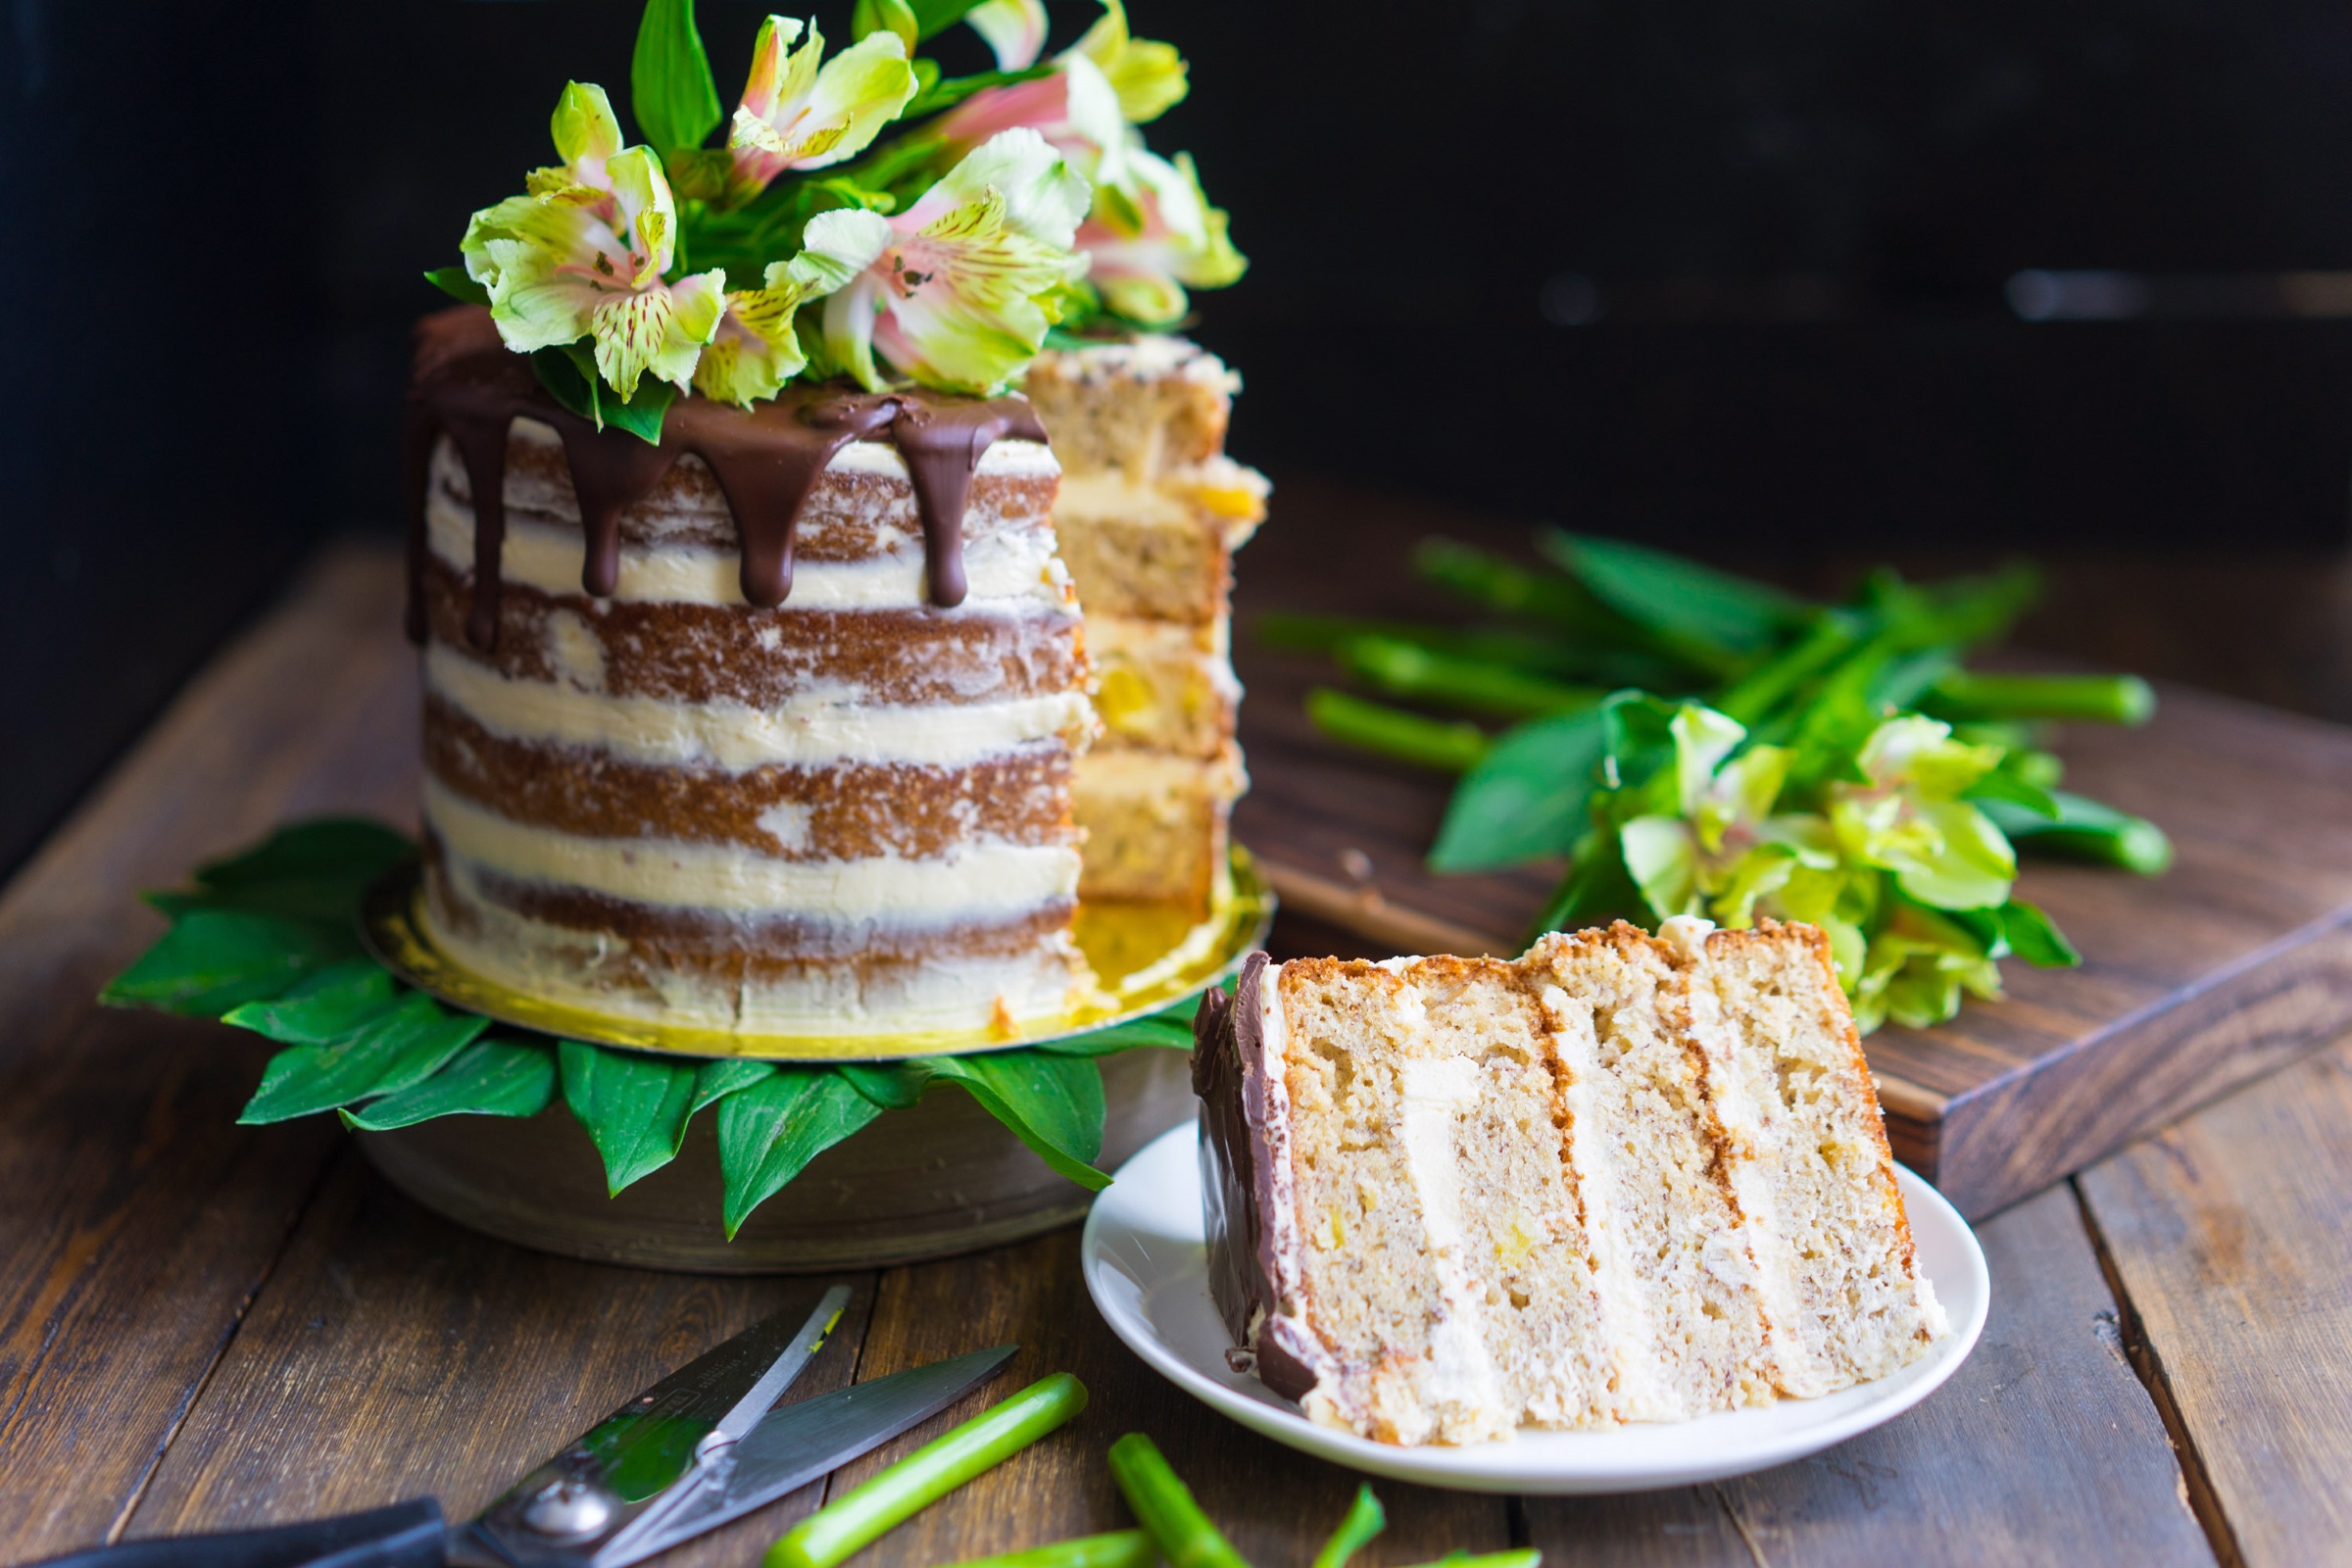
<point>203,1325</point>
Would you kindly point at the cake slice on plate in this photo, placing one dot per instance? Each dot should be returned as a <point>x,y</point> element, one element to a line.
<point>1622,1178</point>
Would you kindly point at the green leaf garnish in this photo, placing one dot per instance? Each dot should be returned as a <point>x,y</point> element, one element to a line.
<point>634,1107</point>
<point>497,1075</point>
<point>458,285</point>
<point>769,1132</point>
<point>672,93</point>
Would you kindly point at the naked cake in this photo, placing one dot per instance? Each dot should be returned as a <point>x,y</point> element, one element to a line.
<point>1150,515</point>
<point>810,774</point>
<point>1622,1178</point>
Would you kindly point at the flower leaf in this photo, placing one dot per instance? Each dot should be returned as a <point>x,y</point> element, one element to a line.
<point>633,1107</point>
<point>2035,938</point>
<point>1528,797</point>
<point>1710,609</point>
<point>671,90</point>
<point>454,282</point>
<point>769,1132</point>
<point>497,1075</point>
<point>1054,1104</point>
<point>714,1081</point>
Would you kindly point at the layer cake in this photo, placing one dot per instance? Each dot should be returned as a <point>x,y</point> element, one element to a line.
<point>812,773</point>
<point>1149,512</point>
<point>1622,1178</point>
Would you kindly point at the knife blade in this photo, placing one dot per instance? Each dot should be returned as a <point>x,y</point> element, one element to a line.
<point>566,1510</point>
<point>795,1445</point>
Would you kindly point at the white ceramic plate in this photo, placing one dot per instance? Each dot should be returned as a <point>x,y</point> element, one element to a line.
<point>1147,1266</point>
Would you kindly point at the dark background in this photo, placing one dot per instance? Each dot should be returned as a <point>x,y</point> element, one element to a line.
<point>1727,274</point>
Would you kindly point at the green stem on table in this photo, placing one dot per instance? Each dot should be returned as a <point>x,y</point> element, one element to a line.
<point>1120,1548</point>
<point>1393,732</point>
<point>878,1504</point>
<point>1507,586</point>
<point>1365,1519</point>
<point>1765,687</point>
<point>1517,1557</point>
<point>1404,668</point>
<point>2085,829</point>
<point>1164,1505</point>
<point>2107,698</point>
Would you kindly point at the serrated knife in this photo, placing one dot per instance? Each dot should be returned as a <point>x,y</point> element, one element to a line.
<point>705,1444</point>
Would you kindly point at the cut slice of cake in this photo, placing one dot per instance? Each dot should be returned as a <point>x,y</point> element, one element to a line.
<point>1148,515</point>
<point>1623,1178</point>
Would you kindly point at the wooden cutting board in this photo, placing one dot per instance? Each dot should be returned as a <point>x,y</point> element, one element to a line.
<point>2235,962</point>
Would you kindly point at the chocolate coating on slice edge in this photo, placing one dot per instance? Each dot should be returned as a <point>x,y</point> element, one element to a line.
<point>1237,1183</point>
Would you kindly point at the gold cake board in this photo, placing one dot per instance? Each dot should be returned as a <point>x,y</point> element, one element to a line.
<point>1144,958</point>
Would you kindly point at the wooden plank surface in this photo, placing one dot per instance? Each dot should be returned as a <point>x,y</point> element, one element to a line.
<point>138,1219</point>
<point>2236,961</point>
<point>2043,1449</point>
<point>397,1355</point>
<point>2232,1237</point>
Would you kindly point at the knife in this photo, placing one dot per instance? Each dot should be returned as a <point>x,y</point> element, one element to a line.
<point>705,1444</point>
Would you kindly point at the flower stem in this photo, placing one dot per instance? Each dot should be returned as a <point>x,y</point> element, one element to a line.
<point>1365,1519</point>
<point>1166,1506</point>
<point>2107,698</point>
<point>870,1509</point>
<point>1120,1548</point>
<point>1457,748</point>
<point>1405,669</point>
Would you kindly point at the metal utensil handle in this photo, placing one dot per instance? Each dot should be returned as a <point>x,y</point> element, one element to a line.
<point>407,1535</point>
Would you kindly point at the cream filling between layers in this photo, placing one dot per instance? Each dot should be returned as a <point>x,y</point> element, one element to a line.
<point>1437,1089</point>
<point>977,881</point>
<point>1004,568</point>
<point>1628,1330</point>
<point>814,728</point>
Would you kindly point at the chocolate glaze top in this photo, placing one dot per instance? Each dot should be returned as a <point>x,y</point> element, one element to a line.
<point>766,459</point>
<point>1237,1187</point>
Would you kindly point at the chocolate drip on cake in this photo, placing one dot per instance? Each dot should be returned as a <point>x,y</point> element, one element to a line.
<point>766,461</point>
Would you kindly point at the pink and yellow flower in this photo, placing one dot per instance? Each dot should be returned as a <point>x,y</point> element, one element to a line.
<point>965,281</point>
<point>796,114</point>
<point>1153,234</point>
<point>582,254</point>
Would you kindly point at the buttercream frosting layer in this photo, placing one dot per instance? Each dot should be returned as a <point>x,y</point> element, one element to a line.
<point>766,658</point>
<point>814,728</point>
<point>979,881</point>
<point>825,811</point>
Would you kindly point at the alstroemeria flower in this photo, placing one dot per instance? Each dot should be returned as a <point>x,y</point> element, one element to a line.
<point>796,115</point>
<point>757,348</point>
<point>1147,75</point>
<point>1909,818</point>
<point>1153,233</point>
<point>970,278</point>
<point>1075,109</point>
<point>583,254</point>
<point>1916,971</point>
<point>1014,29</point>
<point>1723,851</point>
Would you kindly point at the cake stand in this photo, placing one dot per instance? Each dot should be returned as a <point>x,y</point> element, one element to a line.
<point>939,1178</point>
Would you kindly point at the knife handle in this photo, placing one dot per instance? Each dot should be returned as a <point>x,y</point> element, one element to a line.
<point>407,1535</point>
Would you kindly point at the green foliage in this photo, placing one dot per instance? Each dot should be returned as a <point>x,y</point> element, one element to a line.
<point>268,940</point>
<point>570,378</point>
<point>454,282</point>
<point>671,91</point>
<point>769,1132</point>
<point>1775,759</point>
